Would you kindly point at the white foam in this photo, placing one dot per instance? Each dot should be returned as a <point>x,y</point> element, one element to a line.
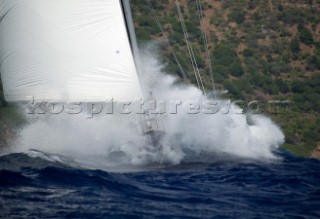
<point>110,141</point>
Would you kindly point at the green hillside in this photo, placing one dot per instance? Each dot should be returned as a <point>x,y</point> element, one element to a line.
<point>10,119</point>
<point>261,50</point>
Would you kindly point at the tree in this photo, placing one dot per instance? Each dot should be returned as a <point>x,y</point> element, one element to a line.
<point>282,86</point>
<point>226,61</point>
<point>295,46</point>
<point>315,62</point>
<point>248,52</point>
<point>280,7</point>
<point>305,35</point>
<point>236,69</point>
<point>298,86</point>
<point>223,54</point>
<point>237,16</point>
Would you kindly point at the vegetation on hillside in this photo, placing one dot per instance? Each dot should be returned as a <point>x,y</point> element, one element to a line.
<point>261,50</point>
<point>10,119</point>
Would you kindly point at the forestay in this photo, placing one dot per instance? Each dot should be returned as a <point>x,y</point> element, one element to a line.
<point>66,50</point>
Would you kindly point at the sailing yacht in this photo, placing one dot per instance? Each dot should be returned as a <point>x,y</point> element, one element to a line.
<point>69,51</point>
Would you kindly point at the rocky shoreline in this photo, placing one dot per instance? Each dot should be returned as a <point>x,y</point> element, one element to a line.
<point>316,152</point>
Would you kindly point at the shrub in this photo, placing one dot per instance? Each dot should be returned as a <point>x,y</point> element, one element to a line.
<point>283,87</point>
<point>291,16</point>
<point>237,16</point>
<point>226,61</point>
<point>223,54</point>
<point>280,7</point>
<point>143,35</point>
<point>145,21</point>
<point>270,88</point>
<point>305,35</point>
<point>251,5</point>
<point>298,86</point>
<point>248,52</point>
<point>236,69</point>
<point>295,46</point>
<point>232,89</point>
<point>314,61</point>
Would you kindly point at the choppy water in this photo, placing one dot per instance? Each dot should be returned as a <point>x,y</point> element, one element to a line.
<point>33,187</point>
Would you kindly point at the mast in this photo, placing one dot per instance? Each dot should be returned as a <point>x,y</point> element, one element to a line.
<point>150,124</point>
<point>133,42</point>
<point>130,28</point>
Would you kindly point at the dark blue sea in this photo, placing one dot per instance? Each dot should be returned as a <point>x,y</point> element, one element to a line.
<point>37,188</point>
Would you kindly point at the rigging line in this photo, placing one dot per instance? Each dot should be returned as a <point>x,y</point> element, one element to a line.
<point>191,52</point>
<point>205,39</point>
<point>191,49</point>
<point>187,42</point>
<point>156,18</point>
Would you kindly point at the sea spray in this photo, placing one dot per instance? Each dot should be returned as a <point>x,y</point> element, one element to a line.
<point>114,141</point>
<point>224,132</point>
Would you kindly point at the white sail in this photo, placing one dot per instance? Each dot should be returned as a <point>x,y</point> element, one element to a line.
<point>66,50</point>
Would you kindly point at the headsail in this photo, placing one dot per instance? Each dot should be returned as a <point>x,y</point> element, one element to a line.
<point>74,50</point>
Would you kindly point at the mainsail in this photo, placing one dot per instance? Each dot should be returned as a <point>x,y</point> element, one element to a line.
<point>66,50</point>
